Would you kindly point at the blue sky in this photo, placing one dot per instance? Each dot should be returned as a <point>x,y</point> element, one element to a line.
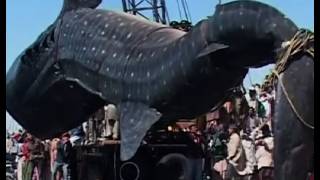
<point>28,18</point>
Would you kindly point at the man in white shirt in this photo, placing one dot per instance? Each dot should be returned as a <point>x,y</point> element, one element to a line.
<point>249,149</point>
<point>236,156</point>
<point>264,150</point>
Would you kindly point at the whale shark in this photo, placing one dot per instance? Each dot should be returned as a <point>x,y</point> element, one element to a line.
<point>153,73</point>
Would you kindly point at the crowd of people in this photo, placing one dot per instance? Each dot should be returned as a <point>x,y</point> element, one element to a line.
<point>233,149</point>
<point>40,160</point>
<point>54,159</point>
<point>238,150</point>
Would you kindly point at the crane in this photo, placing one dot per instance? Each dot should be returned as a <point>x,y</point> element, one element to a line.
<point>158,10</point>
<point>141,7</point>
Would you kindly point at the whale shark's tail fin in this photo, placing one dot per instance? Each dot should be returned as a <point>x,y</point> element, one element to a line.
<point>69,5</point>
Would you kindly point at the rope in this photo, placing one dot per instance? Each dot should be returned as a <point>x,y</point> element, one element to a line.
<point>302,42</point>
<point>291,103</point>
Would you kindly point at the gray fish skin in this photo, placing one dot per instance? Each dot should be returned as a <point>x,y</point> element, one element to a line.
<point>150,71</point>
<point>293,140</point>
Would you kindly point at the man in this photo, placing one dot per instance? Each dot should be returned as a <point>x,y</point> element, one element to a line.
<point>9,144</point>
<point>28,166</point>
<point>268,97</point>
<point>197,155</point>
<point>249,150</point>
<point>263,98</point>
<point>235,156</point>
<point>67,156</point>
<point>264,154</point>
<point>77,135</point>
<point>37,157</point>
<point>56,158</point>
<point>93,132</point>
<point>256,104</point>
<point>46,169</point>
<point>20,159</point>
<point>218,149</point>
<point>252,121</point>
<point>111,120</point>
<point>257,87</point>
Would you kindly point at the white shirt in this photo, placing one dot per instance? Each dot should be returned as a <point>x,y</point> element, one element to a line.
<point>263,156</point>
<point>265,100</point>
<point>111,112</point>
<point>249,150</point>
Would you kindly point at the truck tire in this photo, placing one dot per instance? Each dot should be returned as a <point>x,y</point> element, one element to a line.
<point>137,168</point>
<point>173,166</point>
<point>129,171</point>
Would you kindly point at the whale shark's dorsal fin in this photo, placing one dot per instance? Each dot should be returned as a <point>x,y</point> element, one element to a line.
<point>135,120</point>
<point>69,5</point>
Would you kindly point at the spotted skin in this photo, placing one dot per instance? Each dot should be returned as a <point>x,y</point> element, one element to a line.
<point>100,56</point>
<point>121,51</point>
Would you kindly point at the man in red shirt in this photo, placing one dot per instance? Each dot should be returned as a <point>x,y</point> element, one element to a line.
<point>27,167</point>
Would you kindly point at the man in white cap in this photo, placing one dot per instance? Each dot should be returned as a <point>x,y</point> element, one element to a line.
<point>111,120</point>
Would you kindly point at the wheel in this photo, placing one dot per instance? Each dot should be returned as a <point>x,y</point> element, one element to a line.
<point>173,167</point>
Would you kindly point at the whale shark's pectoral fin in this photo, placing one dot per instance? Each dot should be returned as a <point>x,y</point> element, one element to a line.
<point>135,120</point>
<point>211,49</point>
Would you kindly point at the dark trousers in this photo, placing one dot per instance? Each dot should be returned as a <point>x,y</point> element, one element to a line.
<point>196,168</point>
<point>266,173</point>
<point>232,174</point>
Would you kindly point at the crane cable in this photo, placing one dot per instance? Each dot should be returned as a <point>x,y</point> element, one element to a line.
<point>185,9</point>
<point>179,9</point>
<point>164,6</point>
<point>189,13</point>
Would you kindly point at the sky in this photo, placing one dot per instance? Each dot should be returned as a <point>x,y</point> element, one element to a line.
<point>26,19</point>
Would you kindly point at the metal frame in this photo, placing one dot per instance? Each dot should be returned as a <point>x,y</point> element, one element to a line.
<point>157,7</point>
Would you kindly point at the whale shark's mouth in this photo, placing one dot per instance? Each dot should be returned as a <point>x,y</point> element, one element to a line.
<point>65,105</point>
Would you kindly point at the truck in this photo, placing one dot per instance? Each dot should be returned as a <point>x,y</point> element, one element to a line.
<point>166,153</point>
